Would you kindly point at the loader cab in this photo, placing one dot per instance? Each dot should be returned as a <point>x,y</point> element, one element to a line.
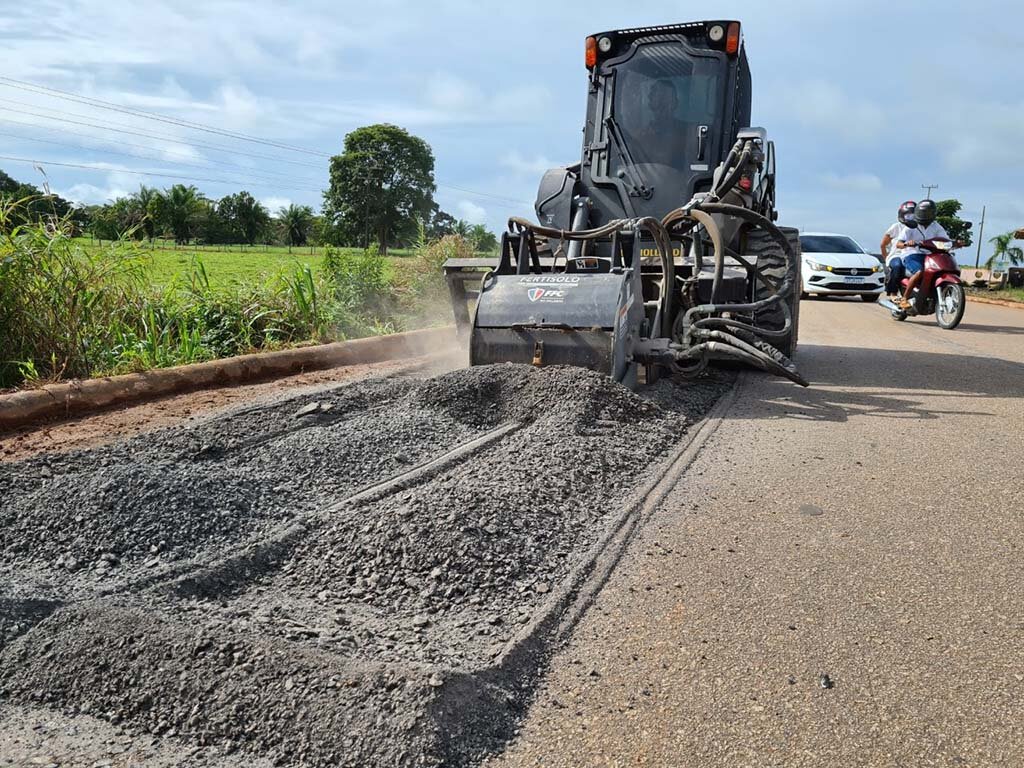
<point>664,104</point>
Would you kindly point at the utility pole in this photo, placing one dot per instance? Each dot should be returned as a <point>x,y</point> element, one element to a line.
<point>981,231</point>
<point>929,187</point>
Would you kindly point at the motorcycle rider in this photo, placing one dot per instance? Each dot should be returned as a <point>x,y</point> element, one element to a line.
<point>893,262</point>
<point>925,228</point>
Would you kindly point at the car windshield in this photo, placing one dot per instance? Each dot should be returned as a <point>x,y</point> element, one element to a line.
<point>661,96</point>
<point>828,244</point>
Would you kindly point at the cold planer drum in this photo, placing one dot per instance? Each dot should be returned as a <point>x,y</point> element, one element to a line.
<point>587,320</point>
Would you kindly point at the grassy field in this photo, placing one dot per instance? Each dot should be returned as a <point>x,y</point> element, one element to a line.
<point>231,264</point>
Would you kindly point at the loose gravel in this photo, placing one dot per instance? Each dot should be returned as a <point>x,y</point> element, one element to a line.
<point>305,631</point>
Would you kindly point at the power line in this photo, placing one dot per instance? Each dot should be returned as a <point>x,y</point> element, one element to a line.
<point>11,82</point>
<point>196,144</point>
<point>134,173</point>
<point>162,137</point>
<point>272,178</point>
<point>484,194</point>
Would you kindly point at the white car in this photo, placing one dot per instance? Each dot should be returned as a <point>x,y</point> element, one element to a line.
<point>836,265</point>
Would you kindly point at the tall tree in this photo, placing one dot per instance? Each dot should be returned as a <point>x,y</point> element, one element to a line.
<point>296,223</point>
<point>144,200</point>
<point>482,239</point>
<point>380,184</point>
<point>957,228</point>
<point>35,204</point>
<point>245,216</point>
<point>180,208</point>
<point>438,224</point>
<point>1004,252</point>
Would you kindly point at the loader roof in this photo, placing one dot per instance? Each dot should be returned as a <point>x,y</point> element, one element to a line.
<point>696,32</point>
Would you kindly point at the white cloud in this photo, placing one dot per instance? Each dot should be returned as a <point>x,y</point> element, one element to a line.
<point>274,204</point>
<point>528,166</point>
<point>824,106</point>
<point>529,99</point>
<point>84,193</point>
<point>854,182</point>
<point>471,212</point>
<point>446,91</point>
<point>987,140</point>
<point>171,89</point>
<point>239,109</point>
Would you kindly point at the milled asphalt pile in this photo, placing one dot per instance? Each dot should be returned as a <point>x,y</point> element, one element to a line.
<point>369,633</point>
<point>120,510</point>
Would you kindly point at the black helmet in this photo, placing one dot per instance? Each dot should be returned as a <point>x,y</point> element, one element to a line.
<point>906,214</point>
<point>926,212</point>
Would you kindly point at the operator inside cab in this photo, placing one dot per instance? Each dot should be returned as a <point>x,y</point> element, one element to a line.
<point>661,137</point>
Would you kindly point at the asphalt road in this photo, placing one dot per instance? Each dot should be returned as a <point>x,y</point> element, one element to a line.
<point>870,528</point>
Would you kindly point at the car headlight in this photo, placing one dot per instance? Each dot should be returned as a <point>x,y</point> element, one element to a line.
<point>817,267</point>
<point>877,268</point>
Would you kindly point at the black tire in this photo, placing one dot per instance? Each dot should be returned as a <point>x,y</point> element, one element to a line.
<point>899,315</point>
<point>870,298</point>
<point>949,322</point>
<point>770,260</point>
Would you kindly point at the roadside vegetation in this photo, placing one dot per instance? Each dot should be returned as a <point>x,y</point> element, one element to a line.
<point>1005,256</point>
<point>70,309</point>
<point>163,277</point>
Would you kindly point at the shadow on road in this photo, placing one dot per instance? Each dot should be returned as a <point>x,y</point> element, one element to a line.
<point>856,381</point>
<point>1004,329</point>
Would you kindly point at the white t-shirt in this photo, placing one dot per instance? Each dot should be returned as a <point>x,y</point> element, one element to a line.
<point>893,234</point>
<point>917,234</point>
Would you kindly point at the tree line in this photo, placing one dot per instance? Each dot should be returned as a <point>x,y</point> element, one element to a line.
<point>381,190</point>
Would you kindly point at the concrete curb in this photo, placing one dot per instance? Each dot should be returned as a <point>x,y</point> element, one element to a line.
<point>57,400</point>
<point>996,302</point>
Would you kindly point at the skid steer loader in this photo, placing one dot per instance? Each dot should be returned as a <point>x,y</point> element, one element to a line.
<point>658,250</point>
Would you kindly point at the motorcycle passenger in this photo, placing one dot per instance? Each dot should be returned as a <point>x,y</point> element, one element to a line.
<point>893,262</point>
<point>926,228</point>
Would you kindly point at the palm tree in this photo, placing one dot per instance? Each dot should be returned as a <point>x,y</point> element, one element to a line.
<point>461,228</point>
<point>296,221</point>
<point>253,217</point>
<point>1003,251</point>
<point>181,208</point>
<point>482,239</point>
<point>145,204</point>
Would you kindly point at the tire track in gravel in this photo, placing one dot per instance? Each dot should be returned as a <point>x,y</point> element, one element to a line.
<point>390,628</point>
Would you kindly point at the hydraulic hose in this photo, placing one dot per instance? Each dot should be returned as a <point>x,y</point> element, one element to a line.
<point>757,359</point>
<point>701,333</point>
<point>782,290</point>
<point>733,174</point>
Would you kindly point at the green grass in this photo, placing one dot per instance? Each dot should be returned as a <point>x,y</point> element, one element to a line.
<point>1002,294</point>
<point>74,308</point>
<point>1010,294</point>
<point>227,265</point>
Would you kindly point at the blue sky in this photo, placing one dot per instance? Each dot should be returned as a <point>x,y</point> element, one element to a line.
<point>866,101</point>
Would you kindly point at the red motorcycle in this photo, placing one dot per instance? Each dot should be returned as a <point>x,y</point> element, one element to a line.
<point>940,291</point>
